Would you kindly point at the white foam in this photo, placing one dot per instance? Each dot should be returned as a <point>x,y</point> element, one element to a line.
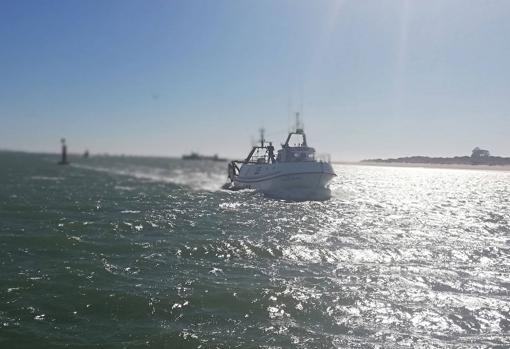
<point>196,180</point>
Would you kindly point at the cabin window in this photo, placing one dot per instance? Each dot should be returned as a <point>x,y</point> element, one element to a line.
<point>299,156</point>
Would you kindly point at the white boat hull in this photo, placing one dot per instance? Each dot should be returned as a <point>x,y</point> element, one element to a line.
<point>290,181</point>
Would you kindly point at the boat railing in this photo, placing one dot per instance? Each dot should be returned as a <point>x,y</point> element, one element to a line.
<point>323,158</point>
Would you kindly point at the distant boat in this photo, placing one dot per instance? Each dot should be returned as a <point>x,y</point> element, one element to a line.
<point>196,156</point>
<point>294,174</point>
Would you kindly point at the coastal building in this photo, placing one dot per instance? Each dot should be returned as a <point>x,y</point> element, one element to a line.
<point>480,153</point>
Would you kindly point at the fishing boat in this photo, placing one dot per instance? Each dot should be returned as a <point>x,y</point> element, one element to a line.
<point>295,173</point>
<point>196,156</point>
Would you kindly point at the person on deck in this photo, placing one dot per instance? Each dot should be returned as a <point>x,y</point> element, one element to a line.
<point>270,150</point>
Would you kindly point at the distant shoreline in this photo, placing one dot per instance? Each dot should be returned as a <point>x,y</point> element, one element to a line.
<point>505,168</point>
<point>480,159</point>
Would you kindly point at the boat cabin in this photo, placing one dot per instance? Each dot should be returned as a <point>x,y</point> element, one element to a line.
<point>298,152</point>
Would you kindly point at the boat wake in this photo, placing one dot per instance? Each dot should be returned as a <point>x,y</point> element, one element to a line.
<point>194,179</point>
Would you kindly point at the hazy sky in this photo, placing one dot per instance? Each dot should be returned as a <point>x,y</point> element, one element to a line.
<point>373,78</point>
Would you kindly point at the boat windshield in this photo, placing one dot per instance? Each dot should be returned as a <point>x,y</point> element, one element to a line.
<point>300,156</point>
<point>296,154</point>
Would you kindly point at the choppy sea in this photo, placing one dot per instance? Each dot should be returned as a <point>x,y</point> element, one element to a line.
<point>126,252</point>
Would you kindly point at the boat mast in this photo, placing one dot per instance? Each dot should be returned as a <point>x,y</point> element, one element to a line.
<point>262,140</point>
<point>298,131</point>
<point>255,147</point>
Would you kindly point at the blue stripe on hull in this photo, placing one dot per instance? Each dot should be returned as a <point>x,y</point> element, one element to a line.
<point>281,175</point>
